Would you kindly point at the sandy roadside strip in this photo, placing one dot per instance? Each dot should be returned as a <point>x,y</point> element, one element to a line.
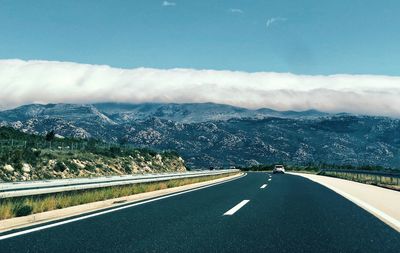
<point>381,202</point>
<point>35,219</point>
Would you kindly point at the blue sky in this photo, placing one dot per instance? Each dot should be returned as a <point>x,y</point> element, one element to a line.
<point>303,37</point>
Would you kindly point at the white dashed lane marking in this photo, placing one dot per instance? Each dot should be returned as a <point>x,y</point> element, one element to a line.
<point>237,207</point>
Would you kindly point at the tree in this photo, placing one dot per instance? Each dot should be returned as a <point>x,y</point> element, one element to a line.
<point>50,135</point>
<point>123,140</point>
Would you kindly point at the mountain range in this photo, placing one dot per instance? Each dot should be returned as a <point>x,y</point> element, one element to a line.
<point>208,134</point>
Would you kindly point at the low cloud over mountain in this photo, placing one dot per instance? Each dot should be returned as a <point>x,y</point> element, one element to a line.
<point>23,82</point>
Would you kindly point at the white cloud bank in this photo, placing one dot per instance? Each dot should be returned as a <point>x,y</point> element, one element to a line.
<point>23,82</point>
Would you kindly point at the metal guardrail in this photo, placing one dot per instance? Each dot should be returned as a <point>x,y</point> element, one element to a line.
<point>373,177</point>
<point>367,172</point>
<point>29,188</point>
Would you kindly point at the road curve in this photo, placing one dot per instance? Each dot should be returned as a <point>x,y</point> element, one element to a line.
<point>289,214</point>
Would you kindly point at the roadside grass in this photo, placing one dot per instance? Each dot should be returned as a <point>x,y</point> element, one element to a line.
<point>22,206</point>
<point>304,171</point>
<point>382,181</point>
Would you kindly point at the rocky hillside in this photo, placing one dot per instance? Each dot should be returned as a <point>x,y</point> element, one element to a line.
<point>27,157</point>
<point>221,135</point>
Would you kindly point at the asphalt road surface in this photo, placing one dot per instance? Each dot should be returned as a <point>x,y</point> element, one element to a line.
<point>249,214</point>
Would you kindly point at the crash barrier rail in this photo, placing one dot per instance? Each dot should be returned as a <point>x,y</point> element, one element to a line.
<point>381,178</point>
<point>29,188</point>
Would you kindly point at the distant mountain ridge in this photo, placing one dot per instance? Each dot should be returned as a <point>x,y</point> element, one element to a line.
<point>120,112</point>
<point>193,112</point>
<point>208,134</point>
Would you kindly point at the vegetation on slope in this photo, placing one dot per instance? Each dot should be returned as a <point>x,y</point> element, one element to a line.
<point>32,157</point>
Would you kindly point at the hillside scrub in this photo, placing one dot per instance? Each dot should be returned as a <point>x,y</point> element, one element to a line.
<point>31,157</point>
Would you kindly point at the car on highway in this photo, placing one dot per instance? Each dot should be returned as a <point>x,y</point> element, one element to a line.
<point>279,169</point>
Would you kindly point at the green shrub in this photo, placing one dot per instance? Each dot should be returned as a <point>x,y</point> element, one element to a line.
<point>18,167</point>
<point>23,210</point>
<point>71,166</point>
<point>90,167</point>
<point>60,167</point>
<point>16,156</point>
<point>31,156</point>
<point>147,152</point>
<point>127,168</point>
<point>50,135</point>
<point>47,175</point>
<point>115,151</point>
<point>170,154</point>
<point>49,155</point>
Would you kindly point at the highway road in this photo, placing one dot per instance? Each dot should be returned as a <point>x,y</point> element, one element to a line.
<point>255,213</point>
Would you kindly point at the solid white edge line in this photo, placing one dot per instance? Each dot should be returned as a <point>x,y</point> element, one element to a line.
<point>237,207</point>
<point>375,211</point>
<point>263,186</point>
<point>394,223</point>
<point>109,211</point>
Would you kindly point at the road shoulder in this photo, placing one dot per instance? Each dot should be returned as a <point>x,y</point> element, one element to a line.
<point>381,202</point>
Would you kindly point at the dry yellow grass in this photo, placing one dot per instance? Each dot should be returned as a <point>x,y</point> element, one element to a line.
<point>6,210</point>
<point>14,207</point>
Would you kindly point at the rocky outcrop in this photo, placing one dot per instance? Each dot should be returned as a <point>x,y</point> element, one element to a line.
<point>90,165</point>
